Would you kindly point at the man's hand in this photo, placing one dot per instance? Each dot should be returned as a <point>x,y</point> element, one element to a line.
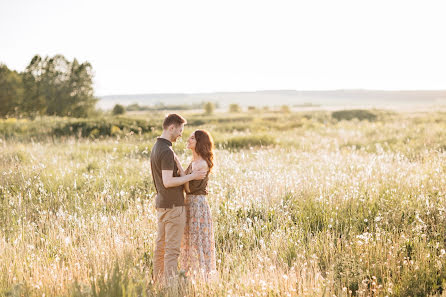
<point>198,175</point>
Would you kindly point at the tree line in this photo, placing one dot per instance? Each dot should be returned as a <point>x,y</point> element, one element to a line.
<point>48,86</point>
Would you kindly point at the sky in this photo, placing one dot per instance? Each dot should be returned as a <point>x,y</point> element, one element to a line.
<point>208,46</point>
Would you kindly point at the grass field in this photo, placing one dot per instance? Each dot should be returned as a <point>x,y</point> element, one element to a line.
<point>304,204</point>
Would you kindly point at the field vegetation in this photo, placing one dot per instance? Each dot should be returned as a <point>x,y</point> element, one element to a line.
<point>304,204</point>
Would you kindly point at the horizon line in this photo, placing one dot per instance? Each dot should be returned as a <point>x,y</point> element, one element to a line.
<point>273,90</point>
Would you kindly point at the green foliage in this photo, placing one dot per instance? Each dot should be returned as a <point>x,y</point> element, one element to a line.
<point>134,107</point>
<point>113,286</point>
<point>359,114</point>
<point>285,109</point>
<point>240,142</point>
<point>102,127</point>
<point>209,108</point>
<point>11,92</point>
<point>118,109</point>
<point>51,86</point>
<point>35,102</point>
<point>428,279</point>
<point>162,106</point>
<point>357,205</point>
<point>17,290</point>
<point>234,108</point>
<point>114,283</point>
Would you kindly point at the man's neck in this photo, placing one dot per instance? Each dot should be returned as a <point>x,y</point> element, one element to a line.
<point>166,136</point>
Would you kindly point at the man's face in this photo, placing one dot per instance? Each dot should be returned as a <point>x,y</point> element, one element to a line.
<point>177,132</point>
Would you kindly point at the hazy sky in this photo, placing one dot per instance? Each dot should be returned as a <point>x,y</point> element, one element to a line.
<point>205,46</point>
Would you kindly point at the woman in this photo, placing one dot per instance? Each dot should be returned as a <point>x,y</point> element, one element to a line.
<point>198,245</point>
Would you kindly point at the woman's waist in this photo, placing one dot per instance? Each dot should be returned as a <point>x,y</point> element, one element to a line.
<point>197,191</point>
<point>196,196</point>
<point>191,198</point>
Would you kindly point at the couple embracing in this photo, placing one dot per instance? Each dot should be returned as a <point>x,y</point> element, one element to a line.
<point>184,224</point>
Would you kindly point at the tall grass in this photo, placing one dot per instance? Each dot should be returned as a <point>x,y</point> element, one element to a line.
<point>344,208</point>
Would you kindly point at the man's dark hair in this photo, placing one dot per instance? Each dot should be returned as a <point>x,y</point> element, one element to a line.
<point>174,119</point>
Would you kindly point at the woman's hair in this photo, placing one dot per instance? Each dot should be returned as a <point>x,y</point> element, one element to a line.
<point>205,147</point>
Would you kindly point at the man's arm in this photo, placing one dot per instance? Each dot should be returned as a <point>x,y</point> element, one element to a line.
<point>167,166</point>
<point>199,166</point>
<point>169,181</point>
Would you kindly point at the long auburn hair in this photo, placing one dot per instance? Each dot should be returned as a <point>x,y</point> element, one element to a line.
<point>205,147</point>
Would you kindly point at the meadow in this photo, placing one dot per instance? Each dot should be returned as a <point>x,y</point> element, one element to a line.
<point>305,203</point>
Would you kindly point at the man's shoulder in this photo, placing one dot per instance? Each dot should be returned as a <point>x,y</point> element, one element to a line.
<point>160,147</point>
<point>162,151</point>
<point>166,152</point>
<point>159,150</point>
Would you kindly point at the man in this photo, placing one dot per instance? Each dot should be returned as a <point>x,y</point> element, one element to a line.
<point>171,213</point>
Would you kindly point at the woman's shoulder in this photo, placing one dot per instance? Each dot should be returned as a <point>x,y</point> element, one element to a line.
<point>200,165</point>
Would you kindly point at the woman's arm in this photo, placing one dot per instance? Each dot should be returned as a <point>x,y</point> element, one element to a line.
<point>170,181</point>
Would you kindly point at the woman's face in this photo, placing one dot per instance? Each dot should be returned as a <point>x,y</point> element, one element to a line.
<point>191,141</point>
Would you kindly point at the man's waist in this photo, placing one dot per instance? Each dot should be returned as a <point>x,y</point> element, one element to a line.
<point>173,206</point>
<point>169,201</point>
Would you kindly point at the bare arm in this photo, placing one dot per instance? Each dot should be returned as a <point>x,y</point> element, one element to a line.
<point>169,181</point>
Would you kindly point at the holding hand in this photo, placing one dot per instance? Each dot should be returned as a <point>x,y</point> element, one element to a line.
<point>198,175</point>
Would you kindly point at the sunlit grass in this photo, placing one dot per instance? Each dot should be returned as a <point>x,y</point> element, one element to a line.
<point>326,207</point>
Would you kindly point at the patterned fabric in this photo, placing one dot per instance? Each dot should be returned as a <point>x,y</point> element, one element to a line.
<point>198,245</point>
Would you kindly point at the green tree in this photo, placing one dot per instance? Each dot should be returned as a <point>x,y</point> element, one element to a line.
<point>56,86</point>
<point>55,81</point>
<point>82,100</point>
<point>34,102</point>
<point>118,109</point>
<point>11,91</point>
<point>209,108</point>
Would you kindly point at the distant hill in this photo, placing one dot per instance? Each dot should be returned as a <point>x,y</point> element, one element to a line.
<point>333,98</point>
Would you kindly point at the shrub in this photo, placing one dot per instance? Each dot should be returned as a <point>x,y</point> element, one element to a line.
<point>118,109</point>
<point>234,108</point>
<point>240,142</point>
<point>285,109</point>
<point>209,108</point>
<point>102,127</point>
<point>360,114</point>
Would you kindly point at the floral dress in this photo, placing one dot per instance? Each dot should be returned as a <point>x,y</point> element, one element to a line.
<point>197,256</point>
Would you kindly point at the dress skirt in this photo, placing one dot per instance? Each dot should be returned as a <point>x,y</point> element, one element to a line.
<point>197,256</point>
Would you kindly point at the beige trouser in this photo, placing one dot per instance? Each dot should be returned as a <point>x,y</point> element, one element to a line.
<point>171,223</point>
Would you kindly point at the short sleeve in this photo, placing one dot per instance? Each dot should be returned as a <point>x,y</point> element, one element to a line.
<point>167,160</point>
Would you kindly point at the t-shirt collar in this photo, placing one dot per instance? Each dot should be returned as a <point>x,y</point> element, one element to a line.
<point>168,142</point>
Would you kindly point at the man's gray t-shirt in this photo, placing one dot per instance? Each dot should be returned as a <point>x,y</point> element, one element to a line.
<point>162,158</point>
